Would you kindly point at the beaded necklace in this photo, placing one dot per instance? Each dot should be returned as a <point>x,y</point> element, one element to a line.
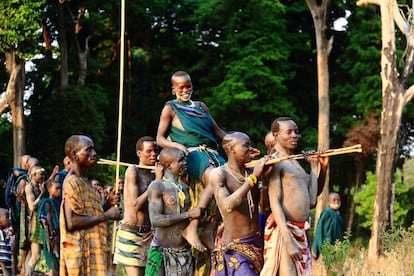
<point>180,193</point>
<point>241,179</point>
<point>238,176</point>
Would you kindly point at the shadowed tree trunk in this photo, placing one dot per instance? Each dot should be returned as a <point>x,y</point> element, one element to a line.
<point>63,46</point>
<point>323,49</point>
<point>15,92</point>
<point>394,97</point>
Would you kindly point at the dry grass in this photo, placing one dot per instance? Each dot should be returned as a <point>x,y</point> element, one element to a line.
<point>398,259</point>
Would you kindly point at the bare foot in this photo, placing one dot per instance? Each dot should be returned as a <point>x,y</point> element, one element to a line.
<point>207,235</point>
<point>190,234</point>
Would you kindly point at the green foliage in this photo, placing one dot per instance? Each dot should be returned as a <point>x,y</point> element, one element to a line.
<point>247,61</point>
<point>364,200</point>
<point>251,61</point>
<point>62,114</point>
<point>335,255</point>
<point>408,169</point>
<point>355,82</point>
<point>20,22</point>
<point>6,152</point>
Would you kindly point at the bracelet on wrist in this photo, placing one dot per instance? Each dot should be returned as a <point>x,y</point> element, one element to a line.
<point>252,180</point>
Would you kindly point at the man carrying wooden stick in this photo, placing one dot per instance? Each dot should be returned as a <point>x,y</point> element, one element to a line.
<point>134,234</point>
<point>292,192</point>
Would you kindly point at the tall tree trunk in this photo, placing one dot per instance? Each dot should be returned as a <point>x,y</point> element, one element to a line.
<point>63,45</point>
<point>323,47</point>
<point>390,122</point>
<point>82,36</point>
<point>15,88</point>
<point>394,98</point>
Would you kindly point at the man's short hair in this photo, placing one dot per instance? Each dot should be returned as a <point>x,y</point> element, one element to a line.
<point>275,124</point>
<point>140,142</point>
<point>72,144</point>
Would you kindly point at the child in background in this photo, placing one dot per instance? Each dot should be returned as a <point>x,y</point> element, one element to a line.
<point>49,217</point>
<point>5,246</point>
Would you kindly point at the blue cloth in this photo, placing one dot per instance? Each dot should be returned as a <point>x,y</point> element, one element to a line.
<point>198,130</point>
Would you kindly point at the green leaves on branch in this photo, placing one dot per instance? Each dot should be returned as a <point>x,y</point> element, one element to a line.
<point>20,25</point>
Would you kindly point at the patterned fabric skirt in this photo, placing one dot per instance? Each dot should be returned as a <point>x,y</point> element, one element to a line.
<point>238,257</point>
<point>131,247</point>
<point>35,230</point>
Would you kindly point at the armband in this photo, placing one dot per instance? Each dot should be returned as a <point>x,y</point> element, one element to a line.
<point>252,179</point>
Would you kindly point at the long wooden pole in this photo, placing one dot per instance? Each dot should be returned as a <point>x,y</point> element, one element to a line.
<point>125,164</point>
<point>120,110</point>
<point>330,152</point>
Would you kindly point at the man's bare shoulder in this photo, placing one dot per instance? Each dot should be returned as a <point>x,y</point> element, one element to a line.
<point>167,110</point>
<point>156,185</point>
<point>218,172</point>
<point>217,175</point>
<point>132,170</point>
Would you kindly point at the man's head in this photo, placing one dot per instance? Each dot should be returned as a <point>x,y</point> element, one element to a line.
<point>146,149</point>
<point>37,174</point>
<point>270,142</point>
<point>173,160</point>
<point>33,161</point>
<point>95,183</point>
<point>182,86</point>
<point>24,160</point>
<point>286,132</point>
<point>121,183</point>
<point>53,188</point>
<point>4,218</point>
<point>66,163</point>
<point>237,145</point>
<point>81,150</point>
<point>334,201</point>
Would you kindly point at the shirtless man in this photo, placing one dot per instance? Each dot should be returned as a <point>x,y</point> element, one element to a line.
<point>188,126</point>
<point>169,204</point>
<point>134,234</point>
<point>237,196</point>
<point>292,193</point>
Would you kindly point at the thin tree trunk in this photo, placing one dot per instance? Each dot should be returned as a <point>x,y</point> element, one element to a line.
<point>82,45</point>
<point>394,98</point>
<point>83,66</point>
<point>390,122</point>
<point>64,67</point>
<point>323,46</point>
<point>15,88</point>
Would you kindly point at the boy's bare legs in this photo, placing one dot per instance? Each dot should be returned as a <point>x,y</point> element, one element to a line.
<point>190,232</point>
<point>207,236</point>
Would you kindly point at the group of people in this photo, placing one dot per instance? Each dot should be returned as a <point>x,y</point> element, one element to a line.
<point>188,210</point>
<point>33,201</point>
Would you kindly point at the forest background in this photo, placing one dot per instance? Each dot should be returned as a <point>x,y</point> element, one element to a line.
<point>250,62</point>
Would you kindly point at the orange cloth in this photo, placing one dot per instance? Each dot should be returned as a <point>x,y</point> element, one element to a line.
<point>83,252</point>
